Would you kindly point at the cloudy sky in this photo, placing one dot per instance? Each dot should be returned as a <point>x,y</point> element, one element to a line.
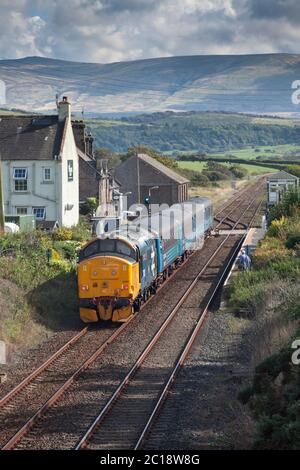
<point>116,30</point>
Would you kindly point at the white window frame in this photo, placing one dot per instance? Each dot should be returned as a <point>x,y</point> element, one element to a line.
<point>22,178</point>
<point>70,170</point>
<point>37,208</point>
<point>46,169</point>
<point>22,208</point>
<point>25,177</point>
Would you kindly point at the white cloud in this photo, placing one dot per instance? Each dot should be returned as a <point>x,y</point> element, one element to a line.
<point>115,30</point>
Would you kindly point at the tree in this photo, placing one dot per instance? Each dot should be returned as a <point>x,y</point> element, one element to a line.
<point>167,161</point>
<point>89,206</point>
<point>113,159</point>
<point>238,171</point>
<point>293,170</point>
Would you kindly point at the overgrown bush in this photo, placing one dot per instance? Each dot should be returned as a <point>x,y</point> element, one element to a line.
<point>82,231</point>
<point>270,250</point>
<point>288,207</point>
<point>293,235</point>
<point>278,228</point>
<point>276,403</point>
<point>62,233</point>
<point>214,175</point>
<point>238,171</point>
<point>270,292</point>
<point>67,249</point>
<point>89,206</point>
<point>196,178</point>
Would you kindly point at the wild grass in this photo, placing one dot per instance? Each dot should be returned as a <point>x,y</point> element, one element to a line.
<point>269,295</point>
<point>38,295</point>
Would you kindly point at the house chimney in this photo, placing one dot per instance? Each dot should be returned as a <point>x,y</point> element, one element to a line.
<point>64,109</point>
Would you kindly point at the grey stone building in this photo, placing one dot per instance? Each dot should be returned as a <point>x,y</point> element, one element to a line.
<point>139,173</point>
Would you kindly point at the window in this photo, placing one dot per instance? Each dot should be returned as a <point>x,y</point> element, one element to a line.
<point>91,249</point>
<point>70,170</point>
<point>21,185</point>
<point>20,178</point>
<point>39,212</point>
<point>47,174</point>
<point>21,210</point>
<point>123,248</point>
<point>20,173</point>
<point>107,245</point>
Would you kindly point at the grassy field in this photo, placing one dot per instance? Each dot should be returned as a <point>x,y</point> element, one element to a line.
<point>196,166</point>
<point>218,194</point>
<point>251,152</point>
<point>266,151</point>
<point>252,169</point>
<point>8,112</point>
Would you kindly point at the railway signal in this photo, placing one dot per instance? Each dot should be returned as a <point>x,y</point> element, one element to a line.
<point>147,202</point>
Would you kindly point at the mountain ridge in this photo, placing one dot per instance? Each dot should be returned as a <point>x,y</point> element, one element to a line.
<point>256,83</point>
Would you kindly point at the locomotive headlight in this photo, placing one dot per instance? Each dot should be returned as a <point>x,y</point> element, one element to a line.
<point>125,286</point>
<point>84,287</point>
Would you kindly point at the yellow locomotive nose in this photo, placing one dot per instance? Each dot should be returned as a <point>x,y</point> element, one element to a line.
<point>107,285</point>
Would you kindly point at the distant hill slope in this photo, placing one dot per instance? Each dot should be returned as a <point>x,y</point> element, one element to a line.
<point>200,131</point>
<point>238,83</point>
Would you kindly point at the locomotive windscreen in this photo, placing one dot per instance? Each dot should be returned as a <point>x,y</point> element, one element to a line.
<point>109,246</point>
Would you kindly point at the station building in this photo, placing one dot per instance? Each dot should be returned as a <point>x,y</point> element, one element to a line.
<point>278,183</point>
<point>139,173</point>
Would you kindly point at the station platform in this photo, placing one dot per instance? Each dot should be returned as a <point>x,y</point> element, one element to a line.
<point>253,237</point>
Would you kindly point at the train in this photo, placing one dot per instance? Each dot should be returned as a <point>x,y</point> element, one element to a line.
<point>117,272</point>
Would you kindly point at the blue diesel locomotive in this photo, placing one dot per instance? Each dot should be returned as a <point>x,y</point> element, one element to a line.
<point>118,273</point>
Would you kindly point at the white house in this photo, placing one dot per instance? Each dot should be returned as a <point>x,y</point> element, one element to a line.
<point>40,166</point>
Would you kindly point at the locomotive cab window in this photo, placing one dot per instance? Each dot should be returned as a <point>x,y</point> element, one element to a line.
<point>90,250</point>
<point>110,246</point>
<point>107,245</point>
<point>124,249</point>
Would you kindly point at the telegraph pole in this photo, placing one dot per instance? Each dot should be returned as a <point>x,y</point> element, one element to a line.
<point>138,177</point>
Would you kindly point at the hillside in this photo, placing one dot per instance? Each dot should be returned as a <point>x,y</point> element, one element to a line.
<point>194,131</point>
<point>238,83</point>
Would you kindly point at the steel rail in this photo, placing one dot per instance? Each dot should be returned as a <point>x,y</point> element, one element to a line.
<point>12,442</point>
<point>236,200</point>
<point>188,347</point>
<point>33,375</point>
<point>185,352</point>
<point>240,193</point>
<point>55,397</point>
<point>96,423</point>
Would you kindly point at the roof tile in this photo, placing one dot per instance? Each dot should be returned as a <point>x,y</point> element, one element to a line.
<point>30,137</point>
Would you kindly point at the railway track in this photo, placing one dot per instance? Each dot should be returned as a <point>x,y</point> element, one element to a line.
<point>53,372</point>
<point>226,217</point>
<point>121,422</point>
